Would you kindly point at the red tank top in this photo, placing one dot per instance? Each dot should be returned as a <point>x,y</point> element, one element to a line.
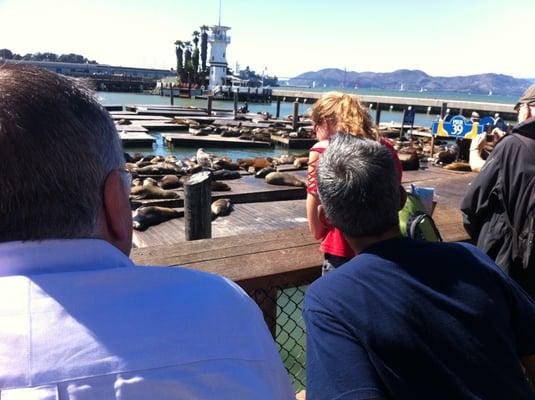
<point>334,242</point>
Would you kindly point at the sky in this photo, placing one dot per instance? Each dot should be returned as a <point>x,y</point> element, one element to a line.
<point>287,37</point>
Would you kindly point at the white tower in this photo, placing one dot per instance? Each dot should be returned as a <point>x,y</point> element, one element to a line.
<point>218,55</point>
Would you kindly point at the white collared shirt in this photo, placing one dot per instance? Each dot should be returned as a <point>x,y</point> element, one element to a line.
<point>79,321</point>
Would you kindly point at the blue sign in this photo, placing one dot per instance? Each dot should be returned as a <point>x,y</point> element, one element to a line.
<point>408,117</point>
<point>488,120</point>
<point>457,127</point>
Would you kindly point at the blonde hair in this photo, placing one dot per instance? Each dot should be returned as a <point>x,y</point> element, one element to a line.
<point>344,113</point>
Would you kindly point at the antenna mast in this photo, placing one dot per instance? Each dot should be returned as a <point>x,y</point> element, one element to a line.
<point>219,12</point>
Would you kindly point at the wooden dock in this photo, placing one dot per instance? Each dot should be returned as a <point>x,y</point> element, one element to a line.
<point>283,207</point>
<point>188,140</point>
<point>247,189</point>
<point>136,139</point>
<point>246,218</point>
<point>293,143</point>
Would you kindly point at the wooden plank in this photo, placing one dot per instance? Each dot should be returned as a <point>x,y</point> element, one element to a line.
<point>241,123</point>
<point>188,140</point>
<point>130,128</point>
<point>248,218</point>
<point>294,143</point>
<point>131,116</point>
<point>164,126</point>
<point>136,139</point>
<point>247,189</point>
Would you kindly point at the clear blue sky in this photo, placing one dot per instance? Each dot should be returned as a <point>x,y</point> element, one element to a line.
<point>288,37</point>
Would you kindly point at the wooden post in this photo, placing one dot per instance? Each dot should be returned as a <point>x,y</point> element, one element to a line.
<point>235,104</point>
<point>209,105</point>
<point>197,202</point>
<point>278,113</point>
<point>378,114</point>
<point>295,116</point>
<point>172,99</point>
<point>443,109</point>
<point>401,127</point>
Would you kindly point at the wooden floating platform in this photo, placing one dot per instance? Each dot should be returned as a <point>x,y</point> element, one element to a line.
<point>188,140</point>
<point>163,126</point>
<point>246,218</point>
<point>130,128</point>
<point>136,139</point>
<point>114,107</point>
<point>284,206</point>
<point>247,189</point>
<point>294,143</point>
<point>241,123</point>
<point>137,117</point>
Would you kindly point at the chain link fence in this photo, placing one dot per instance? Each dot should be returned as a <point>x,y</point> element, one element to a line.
<point>282,307</point>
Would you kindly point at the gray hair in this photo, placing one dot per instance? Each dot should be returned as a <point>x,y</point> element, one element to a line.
<point>57,146</point>
<point>359,186</point>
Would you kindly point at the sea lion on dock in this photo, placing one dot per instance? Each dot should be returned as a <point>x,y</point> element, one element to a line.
<point>169,182</point>
<point>145,217</point>
<point>137,182</point>
<point>301,162</point>
<point>409,161</point>
<point>218,186</point>
<point>146,192</point>
<point>221,208</point>
<point>150,181</point>
<point>264,171</point>
<point>157,159</point>
<point>285,159</point>
<point>284,179</point>
<point>123,121</point>
<point>203,158</point>
<point>458,166</point>
<point>225,174</point>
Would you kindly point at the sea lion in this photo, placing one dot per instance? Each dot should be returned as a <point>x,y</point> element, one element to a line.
<point>123,121</point>
<point>137,182</point>
<point>144,217</point>
<point>458,166</point>
<point>409,161</point>
<point>203,158</point>
<point>220,208</point>
<point>169,182</point>
<point>285,159</point>
<point>264,171</point>
<point>218,186</point>
<point>446,157</point>
<point>284,179</point>
<point>146,192</point>
<point>162,169</point>
<point>301,162</point>
<point>157,159</point>
<point>150,181</point>
<point>259,163</point>
<point>225,174</point>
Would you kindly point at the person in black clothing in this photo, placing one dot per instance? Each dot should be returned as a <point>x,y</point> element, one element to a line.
<point>499,208</point>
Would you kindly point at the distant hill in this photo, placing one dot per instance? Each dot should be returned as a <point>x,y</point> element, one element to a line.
<point>405,79</point>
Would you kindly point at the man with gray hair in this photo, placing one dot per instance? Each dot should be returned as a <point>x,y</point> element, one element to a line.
<point>77,319</point>
<point>407,319</point>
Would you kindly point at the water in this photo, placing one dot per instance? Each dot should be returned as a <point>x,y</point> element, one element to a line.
<point>108,98</point>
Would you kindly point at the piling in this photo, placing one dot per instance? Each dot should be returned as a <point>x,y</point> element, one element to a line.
<point>210,98</point>
<point>378,114</point>
<point>443,110</point>
<point>171,96</point>
<point>235,104</point>
<point>295,116</point>
<point>197,202</point>
<point>278,113</point>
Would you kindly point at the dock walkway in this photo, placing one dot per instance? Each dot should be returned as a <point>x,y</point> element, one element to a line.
<point>259,207</point>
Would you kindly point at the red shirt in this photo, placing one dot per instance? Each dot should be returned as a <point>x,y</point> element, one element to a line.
<point>334,242</point>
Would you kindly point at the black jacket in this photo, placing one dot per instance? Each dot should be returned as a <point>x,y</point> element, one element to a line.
<point>499,208</point>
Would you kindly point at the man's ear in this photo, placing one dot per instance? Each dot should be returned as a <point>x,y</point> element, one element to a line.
<point>322,216</point>
<point>402,197</point>
<point>116,218</point>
